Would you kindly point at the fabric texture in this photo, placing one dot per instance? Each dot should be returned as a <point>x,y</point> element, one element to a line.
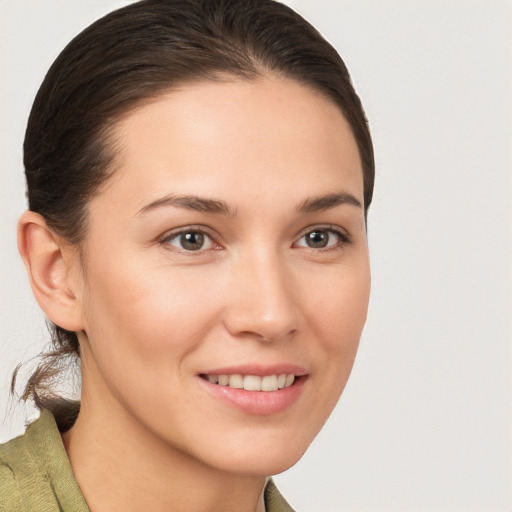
<point>36,475</point>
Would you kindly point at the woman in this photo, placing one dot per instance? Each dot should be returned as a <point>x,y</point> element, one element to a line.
<point>199,175</point>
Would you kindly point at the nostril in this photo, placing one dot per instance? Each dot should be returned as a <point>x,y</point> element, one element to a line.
<point>265,336</point>
<point>255,335</point>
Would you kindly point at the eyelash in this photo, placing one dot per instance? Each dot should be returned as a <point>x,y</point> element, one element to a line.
<point>167,238</point>
<point>343,239</point>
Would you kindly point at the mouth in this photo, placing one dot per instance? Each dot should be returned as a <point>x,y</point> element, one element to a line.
<point>265,383</point>
<point>256,390</point>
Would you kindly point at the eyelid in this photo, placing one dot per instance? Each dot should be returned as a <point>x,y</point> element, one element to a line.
<point>173,233</point>
<point>345,238</point>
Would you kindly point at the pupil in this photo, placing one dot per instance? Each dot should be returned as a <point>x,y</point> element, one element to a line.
<point>317,239</point>
<point>192,241</point>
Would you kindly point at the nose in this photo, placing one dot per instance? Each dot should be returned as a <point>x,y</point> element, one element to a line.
<point>263,303</point>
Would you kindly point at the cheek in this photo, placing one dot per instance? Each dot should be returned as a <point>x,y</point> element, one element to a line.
<point>153,314</point>
<point>338,306</point>
<point>336,314</point>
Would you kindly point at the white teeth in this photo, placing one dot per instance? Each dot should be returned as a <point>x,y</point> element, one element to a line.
<point>224,380</point>
<point>236,381</point>
<point>269,383</point>
<point>253,382</point>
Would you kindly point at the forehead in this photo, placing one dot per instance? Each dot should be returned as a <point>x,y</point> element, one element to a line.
<point>246,134</point>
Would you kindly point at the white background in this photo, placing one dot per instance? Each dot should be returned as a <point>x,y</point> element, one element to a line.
<point>425,423</point>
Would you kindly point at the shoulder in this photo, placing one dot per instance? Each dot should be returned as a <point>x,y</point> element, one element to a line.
<point>274,500</point>
<point>35,473</point>
<point>10,455</point>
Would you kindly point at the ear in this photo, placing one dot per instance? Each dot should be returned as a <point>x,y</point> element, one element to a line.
<point>53,267</point>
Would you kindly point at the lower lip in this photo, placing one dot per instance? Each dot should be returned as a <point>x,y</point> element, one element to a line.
<point>261,403</point>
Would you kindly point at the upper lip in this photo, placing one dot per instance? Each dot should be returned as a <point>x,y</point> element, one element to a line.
<point>258,369</point>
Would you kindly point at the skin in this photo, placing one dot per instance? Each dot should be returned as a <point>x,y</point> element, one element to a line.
<point>152,316</point>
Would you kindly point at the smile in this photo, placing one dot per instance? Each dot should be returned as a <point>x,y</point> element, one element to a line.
<point>253,382</point>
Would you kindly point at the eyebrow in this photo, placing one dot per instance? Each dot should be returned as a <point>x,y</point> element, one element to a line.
<point>189,202</point>
<point>321,203</point>
<point>218,207</point>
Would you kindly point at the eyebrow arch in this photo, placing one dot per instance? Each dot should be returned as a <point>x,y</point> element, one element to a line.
<point>189,202</point>
<point>321,203</point>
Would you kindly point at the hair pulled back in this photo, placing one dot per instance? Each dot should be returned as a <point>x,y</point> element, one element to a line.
<point>132,55</point>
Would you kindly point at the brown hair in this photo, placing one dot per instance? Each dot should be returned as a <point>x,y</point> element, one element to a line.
<point>132,55</point>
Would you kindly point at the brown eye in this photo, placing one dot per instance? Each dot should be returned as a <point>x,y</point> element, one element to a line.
<point>190,241</point>
<point>317,239</point>
<point>321,239</point>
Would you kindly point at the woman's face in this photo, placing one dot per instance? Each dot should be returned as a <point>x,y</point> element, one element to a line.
<point>228,251</point>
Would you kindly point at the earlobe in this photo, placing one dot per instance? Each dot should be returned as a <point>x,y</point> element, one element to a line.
<point>53,271</point>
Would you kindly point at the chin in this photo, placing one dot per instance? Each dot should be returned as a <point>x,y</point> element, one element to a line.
<point>264,460</point>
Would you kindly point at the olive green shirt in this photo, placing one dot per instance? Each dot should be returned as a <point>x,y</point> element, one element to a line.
<point>36,475</point>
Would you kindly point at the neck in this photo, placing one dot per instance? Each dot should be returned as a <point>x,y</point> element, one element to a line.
<point>120,466</point>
